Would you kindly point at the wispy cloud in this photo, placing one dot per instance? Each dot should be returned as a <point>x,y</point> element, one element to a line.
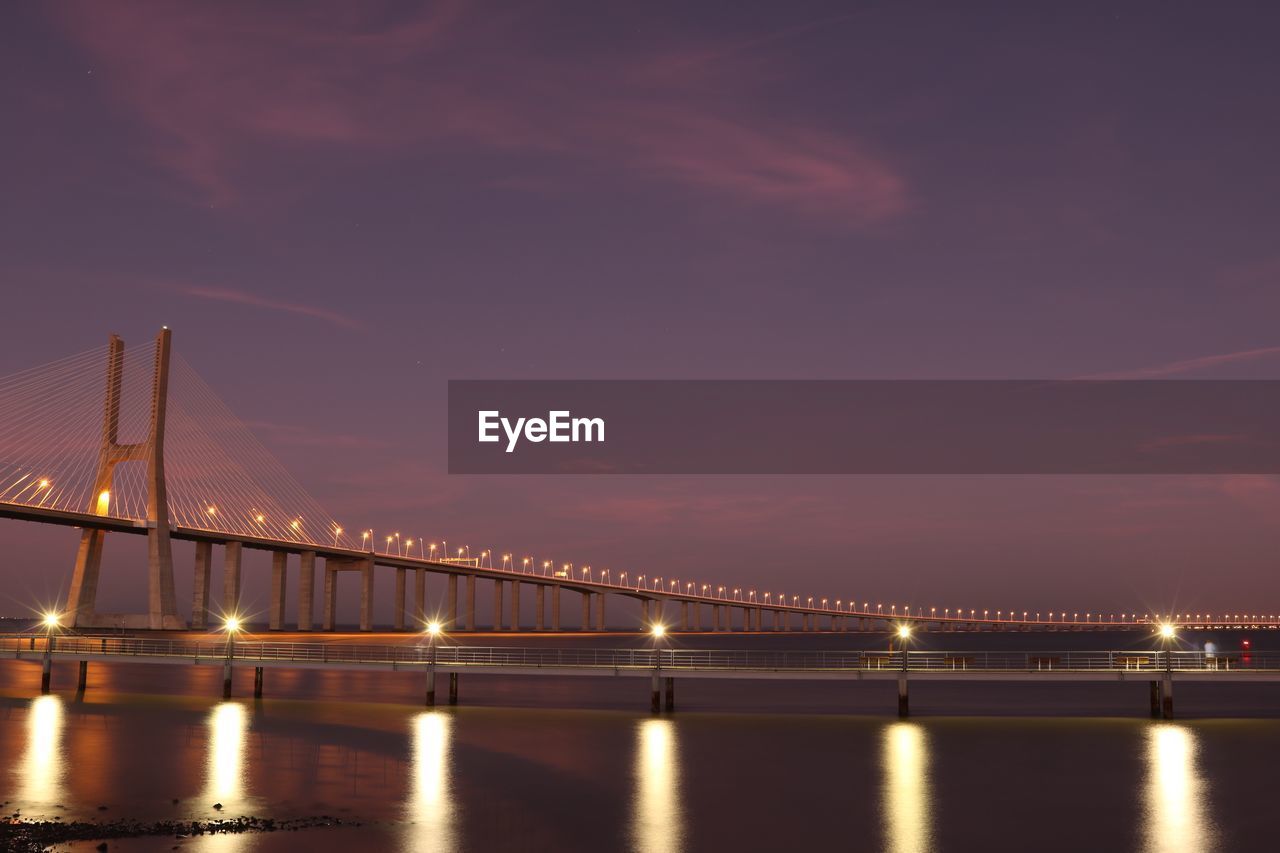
<point>239,297</point>
<point>1189,365</point>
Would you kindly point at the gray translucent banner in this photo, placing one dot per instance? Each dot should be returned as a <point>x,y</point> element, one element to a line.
<point>865,427</point>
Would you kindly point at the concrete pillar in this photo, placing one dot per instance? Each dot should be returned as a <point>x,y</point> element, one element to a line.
<point>715,614</point>
<point>684,616</point>
<point>397,609</point>
<point>697,616</point>
<point>497,605</point>
<point>231,578</point>
<point>330,607</point>
<point>1166,697</point>
<point>655,693</point>
<point>644,613</point>
<point>452,602</point>
<point>903,708</point>
<point>586,612</point>
<point>600,611</point>
<point>306,590</point>
<point>200,586</point>
<point>515,605</point>
<point>366,594</point>
<point>419,599</point>
<point>431,684</point>
<point>555,607</point>
<point>257,682</point>
<point>1155,698</point>
<point>671,694</point>
<point>471,603</point>
<point>46,674</point>
<point>777,620</point>
<point>453,688</point>
<point>226,679</point>
<point>540,595</point>
<point>275,614</point>
<point>82,679</point>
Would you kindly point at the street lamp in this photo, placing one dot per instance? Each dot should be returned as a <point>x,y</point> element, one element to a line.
<point>232,625</point>
<point>52,622</point>
<point>904,635</point>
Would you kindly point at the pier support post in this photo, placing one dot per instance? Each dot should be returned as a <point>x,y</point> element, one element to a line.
<point>540,596</point>
<point>431,685</point>
<point>279,565</point>
<point>655,693</point>
<point>903,707</point>
<point>306,590</point>
<point>1154,694</point>
<point>397,614</point>
<point>231,555</point>
<point>46,674</point>
<point>1166,697</point>
<point>671,694</point>
<point>226,679</point>
<point>257,682</point>
<point>453,688</point>
<point>200,586</point>
<point>82,680</point>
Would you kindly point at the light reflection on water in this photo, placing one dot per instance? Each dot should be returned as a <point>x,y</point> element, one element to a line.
<point>906,805</point>
<point>657,813</point>
<point>225,775</point>
<point>40,774</point>
<point>430,810</point>
<point>1177,808</point>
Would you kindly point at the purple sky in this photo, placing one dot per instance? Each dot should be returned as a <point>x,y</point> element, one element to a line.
<point>338,207</point>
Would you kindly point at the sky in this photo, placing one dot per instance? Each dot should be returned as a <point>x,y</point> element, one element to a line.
<point>339,207</point>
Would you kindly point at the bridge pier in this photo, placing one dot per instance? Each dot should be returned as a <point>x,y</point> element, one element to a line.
<point>515,605</point>
<point>279,567</point>
<point>497,605</point>
<point>540,605</point>
<point>903,706</point>
<point>231,563</point>
<point>46,674</point>
<point>226,679</point>
<point>555,607</point>
<point>670,702</point>
<point>431,685</point>
<point>1154,696</point>
<point>306,590</point>
<point>471,603</point>
<point>451,602</point>
<point>1166,697</point>
<point>397,608</point>
<point>655,692</point>
<point>82,678</point>
<point>257,682</point>
<point>330,594</point>
<point>644,613</point>
<point>200,586</point>
<point>366,594</point>
<point>600,611</point>
<point>419,599</point>
<point>586,611</point>
<point>453,688</point>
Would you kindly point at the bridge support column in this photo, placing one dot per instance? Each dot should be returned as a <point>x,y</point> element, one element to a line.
<point>82,679</point>
<point>515,605</point>
<point>226,679</point>
<point>684,616</point>
<point>586,612</point>
<point>555,607</point>
<point>644,613</point>
<point>452,602</point>
<point>397,614</point>
<point>697,616</point>
<point>453,688</point>
<point>1154,695</point>
<point>497,605</point>
<point>330,595</point>
<point>306,590</point>
<point>431,685</point>
<point>1166,697</point>
<point>655,693</point>
<point>279,567</point>
<point>257,682</point>
<point>419,599</point>
<point>471,603</point>
<point>600,611</point>
<point>200,586</point>
<point>46,673</point>
<point>715,616</point>
<point>903,706</point>
<point>366,594</point>
<point>670,702</point>
<point>540,599</point>
<point>231,561</point>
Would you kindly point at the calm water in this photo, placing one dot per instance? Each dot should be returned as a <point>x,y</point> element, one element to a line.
<point>578,765</point>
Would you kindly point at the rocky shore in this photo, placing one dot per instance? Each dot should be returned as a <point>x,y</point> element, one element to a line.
<point>23,836</point>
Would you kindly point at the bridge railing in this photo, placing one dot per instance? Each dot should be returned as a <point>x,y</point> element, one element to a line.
<point>1153,661</point>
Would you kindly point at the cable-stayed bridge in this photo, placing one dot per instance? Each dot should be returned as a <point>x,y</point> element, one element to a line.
<point>132,440</point>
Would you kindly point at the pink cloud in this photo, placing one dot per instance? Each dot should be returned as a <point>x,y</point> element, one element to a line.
<point>221,86</point>
<point>239,297</point>
<point>1189,365</point>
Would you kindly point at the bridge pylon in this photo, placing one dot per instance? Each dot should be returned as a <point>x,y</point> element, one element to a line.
<point>162,610</point>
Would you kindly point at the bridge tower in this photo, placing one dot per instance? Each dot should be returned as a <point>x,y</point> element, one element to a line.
<point>162,610</point>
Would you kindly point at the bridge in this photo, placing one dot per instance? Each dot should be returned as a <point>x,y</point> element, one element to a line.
<point>662,665</point>
<point>193,472</point>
